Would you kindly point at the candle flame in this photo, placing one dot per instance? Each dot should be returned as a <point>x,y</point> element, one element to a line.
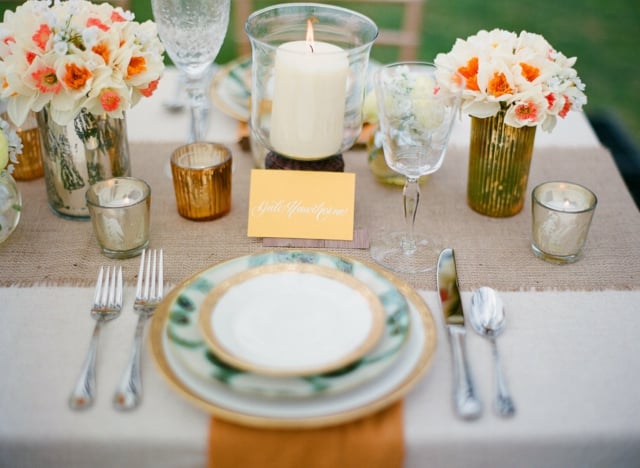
<point>310,38</point>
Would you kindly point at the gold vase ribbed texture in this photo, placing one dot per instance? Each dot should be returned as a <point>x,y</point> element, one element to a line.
<point>499,161</point>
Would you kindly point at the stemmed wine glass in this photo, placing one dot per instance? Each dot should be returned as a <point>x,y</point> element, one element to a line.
<point>415,118</point>
<point>192,32</point>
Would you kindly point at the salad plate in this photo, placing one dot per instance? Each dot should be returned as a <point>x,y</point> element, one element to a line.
<point>291,319</point>
<point>231,88</point>
<point>385,388</point>
<point>180,313</point>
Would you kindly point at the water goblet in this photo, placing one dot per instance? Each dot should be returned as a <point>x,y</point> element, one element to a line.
<point>415,117</point>
<point>192,32</point>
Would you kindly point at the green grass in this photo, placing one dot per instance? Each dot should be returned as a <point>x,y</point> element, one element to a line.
<point>603,34</point>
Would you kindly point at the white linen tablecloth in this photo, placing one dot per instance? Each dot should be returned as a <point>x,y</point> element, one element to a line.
<point>571,360</point>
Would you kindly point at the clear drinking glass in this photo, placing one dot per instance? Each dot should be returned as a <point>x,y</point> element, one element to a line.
<point>415,119</point>
<point>192,32</point>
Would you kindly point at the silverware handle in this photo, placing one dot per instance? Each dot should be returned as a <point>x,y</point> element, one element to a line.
<point>129,392</point>
<point>465,400</point>
<point>83,393</point>
<point>504,405</point>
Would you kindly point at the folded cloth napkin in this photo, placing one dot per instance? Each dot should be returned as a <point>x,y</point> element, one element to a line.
<point>374,441</point>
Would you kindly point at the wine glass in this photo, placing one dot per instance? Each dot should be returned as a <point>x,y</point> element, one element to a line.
<point>192,32</point>
<point>415,118</point>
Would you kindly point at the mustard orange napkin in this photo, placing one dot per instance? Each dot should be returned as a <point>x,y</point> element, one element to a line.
<point>375,441</point>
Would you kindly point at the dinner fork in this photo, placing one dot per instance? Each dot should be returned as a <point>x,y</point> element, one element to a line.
<point>107,303</point>
<point>149,292</point>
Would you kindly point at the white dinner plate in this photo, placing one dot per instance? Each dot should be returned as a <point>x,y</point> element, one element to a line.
<point>291,319</point>
<point>188,345</point>
<point>325,409</point>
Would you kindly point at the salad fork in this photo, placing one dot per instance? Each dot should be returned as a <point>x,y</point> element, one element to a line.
<point>149,292</point>
<point>107,303</point>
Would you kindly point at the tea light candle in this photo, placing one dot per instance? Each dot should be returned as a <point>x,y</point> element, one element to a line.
<point>309,99</point>
<point>562,214</point>
<point>119,210</point>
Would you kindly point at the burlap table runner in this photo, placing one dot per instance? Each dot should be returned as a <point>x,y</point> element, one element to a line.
<point>46,249</point>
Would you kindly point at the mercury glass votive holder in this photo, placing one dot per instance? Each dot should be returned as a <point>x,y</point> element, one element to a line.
<point>202,180</point>
<point>561,217</point>
<point>308,78</point>
<point>119,210</point>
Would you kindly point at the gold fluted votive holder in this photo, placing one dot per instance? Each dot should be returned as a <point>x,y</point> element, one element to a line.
<point>202,180</point>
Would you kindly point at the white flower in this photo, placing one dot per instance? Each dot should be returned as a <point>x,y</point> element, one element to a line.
<point>74,54</point>
<point>521,74</point>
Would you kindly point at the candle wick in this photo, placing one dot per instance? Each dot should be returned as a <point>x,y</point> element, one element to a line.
<point>311,47</point>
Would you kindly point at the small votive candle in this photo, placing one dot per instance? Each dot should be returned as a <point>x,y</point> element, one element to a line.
<point>119,210</point>
<point>561,217</point>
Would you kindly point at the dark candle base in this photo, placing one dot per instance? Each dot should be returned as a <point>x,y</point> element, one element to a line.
<point>333,163</point>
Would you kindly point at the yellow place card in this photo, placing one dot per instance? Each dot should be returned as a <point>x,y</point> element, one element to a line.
<point>301,204</point>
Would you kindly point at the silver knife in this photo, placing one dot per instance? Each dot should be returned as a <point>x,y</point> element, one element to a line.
<point>465,399</point>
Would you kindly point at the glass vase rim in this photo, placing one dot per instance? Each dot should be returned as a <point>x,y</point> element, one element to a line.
<point>299,7</point>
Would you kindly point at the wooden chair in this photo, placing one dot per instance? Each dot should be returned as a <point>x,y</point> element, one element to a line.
<point>406,39</point>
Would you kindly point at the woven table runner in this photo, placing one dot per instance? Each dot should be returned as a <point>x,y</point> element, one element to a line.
<point>48,250</point>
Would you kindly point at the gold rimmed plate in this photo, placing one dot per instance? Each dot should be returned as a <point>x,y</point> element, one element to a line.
<point>291,319</point>
<point>220,392</point>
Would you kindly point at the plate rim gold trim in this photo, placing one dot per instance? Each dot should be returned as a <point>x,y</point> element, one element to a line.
<point>376,310</point>
<point>422,365</point>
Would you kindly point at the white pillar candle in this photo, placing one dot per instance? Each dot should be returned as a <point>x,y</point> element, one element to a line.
<point>309,99</point>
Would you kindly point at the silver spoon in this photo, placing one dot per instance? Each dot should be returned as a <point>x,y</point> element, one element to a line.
<point>487,319</point>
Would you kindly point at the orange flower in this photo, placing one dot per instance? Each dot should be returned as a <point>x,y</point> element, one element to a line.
<point>75,77</point>
<point>103,51</point>
<point>117,17</point>
<point>529,72</point>
<point>110,100</point>
<point>46,80</point>
<point>96,22</point>
<point>42,35</point>
<point>31,56</point>
<point>470,72</point>
<point>149,90</point>
<point>136,65</point>
<point>498,85</point>
<point>526,111</point>
<point>566,108</point>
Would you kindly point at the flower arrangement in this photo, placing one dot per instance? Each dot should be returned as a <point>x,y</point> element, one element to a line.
<point>520,74</point>
<point>10,147</point>
<point>74,55</point>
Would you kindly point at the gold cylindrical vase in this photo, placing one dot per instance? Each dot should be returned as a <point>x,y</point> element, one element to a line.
<point>499,161</point>
<point>29,165</point>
